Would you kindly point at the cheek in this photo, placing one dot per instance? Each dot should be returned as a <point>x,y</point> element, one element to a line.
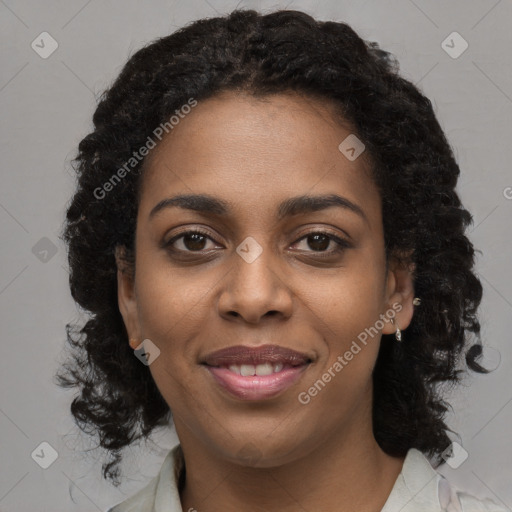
<point>352,299</point>
<point>342,381</point>
<point>171,314</point>
<point>348,310</point>
<point>352,342</point>
<point>172,304</point>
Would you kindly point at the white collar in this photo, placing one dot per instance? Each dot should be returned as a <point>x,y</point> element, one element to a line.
<point>416,488</point>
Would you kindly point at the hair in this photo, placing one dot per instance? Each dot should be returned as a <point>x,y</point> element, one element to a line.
<point>412,165</point>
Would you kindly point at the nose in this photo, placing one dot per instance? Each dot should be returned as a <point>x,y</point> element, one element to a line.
<point>256,289</point>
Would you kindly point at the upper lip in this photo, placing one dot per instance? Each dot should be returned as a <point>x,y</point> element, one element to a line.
<point>241,354</point>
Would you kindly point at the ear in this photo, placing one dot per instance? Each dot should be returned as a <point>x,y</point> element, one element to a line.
<point>399,294</point>
<point>126,296</point>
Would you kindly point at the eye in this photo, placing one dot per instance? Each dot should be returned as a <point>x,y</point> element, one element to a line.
<point>189,241</point>
<point>321,241</point>
<point>324,243</point>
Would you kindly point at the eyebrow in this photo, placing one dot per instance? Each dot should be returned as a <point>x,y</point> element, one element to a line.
<point>204,203</point>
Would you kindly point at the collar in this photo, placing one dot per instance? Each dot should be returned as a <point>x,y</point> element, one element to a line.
<point>416,488</point>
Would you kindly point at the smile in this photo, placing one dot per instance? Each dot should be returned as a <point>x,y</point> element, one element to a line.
<point>256,373</point>
<point>254,386</point>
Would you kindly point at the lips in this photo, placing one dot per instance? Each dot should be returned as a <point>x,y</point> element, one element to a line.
<point>265,354</point>
<point>260,373</point>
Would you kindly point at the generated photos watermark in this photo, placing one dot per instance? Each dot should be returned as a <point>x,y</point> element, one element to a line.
<point>143,151</point>
<point>305,397</point>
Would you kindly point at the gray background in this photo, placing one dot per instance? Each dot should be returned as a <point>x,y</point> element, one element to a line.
<point>47,105</point>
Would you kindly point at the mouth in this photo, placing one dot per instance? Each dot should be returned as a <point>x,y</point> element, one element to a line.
<point>256,373</point>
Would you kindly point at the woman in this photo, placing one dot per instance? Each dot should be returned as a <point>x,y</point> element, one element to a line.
<point>266,217</point>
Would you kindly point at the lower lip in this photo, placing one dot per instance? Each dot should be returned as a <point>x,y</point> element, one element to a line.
<point>256,387</point>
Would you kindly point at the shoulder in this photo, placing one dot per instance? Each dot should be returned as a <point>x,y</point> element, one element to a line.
<point>142,501</point>
<point>454,500</point>
<point>160,494</point>
<point>471,504</point>
<point>420,488</point>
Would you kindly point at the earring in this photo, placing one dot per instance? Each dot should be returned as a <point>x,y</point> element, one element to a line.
<point>416,301</point>
<point>398,333</point>
<point>133,343</point>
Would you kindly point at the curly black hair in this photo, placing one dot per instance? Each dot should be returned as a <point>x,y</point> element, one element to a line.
<point>413,167</point>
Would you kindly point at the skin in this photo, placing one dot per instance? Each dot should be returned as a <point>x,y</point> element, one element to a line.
<point>274,454</point>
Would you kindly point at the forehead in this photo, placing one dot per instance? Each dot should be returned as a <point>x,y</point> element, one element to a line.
<point>256,152</point>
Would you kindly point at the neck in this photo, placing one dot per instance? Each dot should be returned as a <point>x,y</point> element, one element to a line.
<point>347,473</point>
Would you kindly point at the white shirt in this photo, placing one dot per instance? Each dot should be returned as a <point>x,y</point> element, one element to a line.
<point>418,488</point>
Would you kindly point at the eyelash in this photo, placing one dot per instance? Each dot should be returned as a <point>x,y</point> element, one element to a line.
<point>342,244</point>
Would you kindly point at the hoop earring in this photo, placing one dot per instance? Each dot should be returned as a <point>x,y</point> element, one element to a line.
<point>398,333</point>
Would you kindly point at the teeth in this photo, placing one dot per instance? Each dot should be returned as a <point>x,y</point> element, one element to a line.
<point>264,369</point>
<point>248,370</point>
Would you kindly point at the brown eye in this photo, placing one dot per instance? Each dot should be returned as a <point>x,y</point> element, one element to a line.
<point>189,241</point>
<point>194,241</point>
<point>320,242</point>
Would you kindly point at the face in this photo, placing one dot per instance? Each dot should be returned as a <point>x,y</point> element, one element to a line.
<point>262,268</point>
